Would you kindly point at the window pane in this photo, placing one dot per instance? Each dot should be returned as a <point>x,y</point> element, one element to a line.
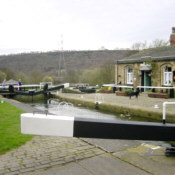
<point>169,69</point>
<point>129,76</point>
<point>129,70</point>
<point>167,76</point>
<point>170,77</point>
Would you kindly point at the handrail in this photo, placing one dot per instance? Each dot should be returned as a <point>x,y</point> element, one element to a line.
<point>123,86</point>
<point>164,110</point>
<point>155,87</point>
<point>151,87</point>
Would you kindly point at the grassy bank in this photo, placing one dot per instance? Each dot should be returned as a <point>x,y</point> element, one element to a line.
<point>28,99</point>
<point>10,135</point>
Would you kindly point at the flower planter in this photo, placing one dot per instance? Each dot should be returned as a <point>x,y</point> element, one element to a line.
<point>105,91</point>
<point>121,93</point>
<point>158,95</point>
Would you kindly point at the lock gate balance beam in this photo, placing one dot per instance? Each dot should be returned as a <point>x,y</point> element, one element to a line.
<point>52,125</point>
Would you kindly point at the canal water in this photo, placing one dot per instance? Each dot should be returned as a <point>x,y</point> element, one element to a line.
<point>62,108</point>
<point>68,109</point>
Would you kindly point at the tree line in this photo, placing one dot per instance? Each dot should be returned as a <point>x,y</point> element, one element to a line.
<point>99,75</point>
<point>34,78</point>
<point>104,74</point>
<point>153,44</point>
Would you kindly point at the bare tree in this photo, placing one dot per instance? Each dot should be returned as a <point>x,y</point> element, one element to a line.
<point>102,48</point>
<point>144,45</point>
<point>159,43</point>
<point>139,46</point>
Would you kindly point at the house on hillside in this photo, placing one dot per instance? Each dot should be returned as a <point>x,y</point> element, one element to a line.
<point>150,67</point>
<point>11,82</point>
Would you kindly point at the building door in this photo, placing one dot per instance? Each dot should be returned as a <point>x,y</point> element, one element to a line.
<point>145,80</point>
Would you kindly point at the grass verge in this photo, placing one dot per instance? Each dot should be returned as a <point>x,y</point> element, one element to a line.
<point>10,135</point>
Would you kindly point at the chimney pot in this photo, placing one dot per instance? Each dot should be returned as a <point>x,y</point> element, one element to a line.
<point>173,29</point>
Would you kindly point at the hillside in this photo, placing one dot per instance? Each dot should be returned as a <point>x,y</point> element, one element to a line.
<point>154,52</point>
<point>47,62</point>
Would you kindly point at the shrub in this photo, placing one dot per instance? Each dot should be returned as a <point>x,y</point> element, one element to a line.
<point>128,90</point>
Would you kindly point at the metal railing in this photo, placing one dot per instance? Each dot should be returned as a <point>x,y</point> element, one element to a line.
<point>164,110</point>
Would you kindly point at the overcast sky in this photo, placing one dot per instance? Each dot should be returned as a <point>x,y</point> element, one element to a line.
<point>37,25</point>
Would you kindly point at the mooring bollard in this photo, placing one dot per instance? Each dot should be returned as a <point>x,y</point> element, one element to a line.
<point>96,105</point>
<point>31,93</point>
<point>171,93</point>
<point>164,110</point>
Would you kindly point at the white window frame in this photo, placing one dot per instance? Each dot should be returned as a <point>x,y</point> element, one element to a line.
<point>129,76</point>
<point>167,77</point>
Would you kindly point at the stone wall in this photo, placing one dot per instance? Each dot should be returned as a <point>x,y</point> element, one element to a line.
<point>121,73</point>
<point>157,73</point>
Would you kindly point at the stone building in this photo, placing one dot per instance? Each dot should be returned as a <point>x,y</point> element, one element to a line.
<point>150,67</point>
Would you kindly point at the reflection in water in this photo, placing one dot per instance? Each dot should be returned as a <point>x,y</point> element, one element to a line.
<point>68,109</point>
<point>99,98</point>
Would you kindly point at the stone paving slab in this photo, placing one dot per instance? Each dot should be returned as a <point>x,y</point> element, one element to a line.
<point>104,164</point>
<point>107,164</point>
<point>68,169</point>
<point>44,152</point>
<point>112,145</point>
<point>150,158</point>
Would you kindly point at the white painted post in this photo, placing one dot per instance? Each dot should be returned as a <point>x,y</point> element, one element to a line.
<point>66,85</point>
<point>164,110</point>
<point>50,125</point>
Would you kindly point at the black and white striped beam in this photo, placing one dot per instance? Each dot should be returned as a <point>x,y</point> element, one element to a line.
<point>52,125</point>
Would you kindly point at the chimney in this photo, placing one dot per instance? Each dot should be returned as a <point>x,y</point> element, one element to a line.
<point>172,37</point>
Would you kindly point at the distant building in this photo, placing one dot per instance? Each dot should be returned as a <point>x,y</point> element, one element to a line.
<point>150,67</point>
<point>11,82</point>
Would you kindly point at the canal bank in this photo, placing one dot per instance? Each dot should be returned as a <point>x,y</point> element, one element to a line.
<point>45,155</point>
<point>143,106</point>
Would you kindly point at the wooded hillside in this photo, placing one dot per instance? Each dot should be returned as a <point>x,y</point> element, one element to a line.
<point>47,62</point>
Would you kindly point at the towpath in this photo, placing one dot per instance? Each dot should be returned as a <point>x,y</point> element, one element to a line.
<point>63,156</point>
<point>143,105</point>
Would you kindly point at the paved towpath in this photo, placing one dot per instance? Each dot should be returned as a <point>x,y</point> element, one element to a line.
<point>143,102</point>
<point>44,152</point>
<point>72,156</point>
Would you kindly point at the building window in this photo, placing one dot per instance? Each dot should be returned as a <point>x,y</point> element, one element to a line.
<point>167,76</point>
<point>129,76</point>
